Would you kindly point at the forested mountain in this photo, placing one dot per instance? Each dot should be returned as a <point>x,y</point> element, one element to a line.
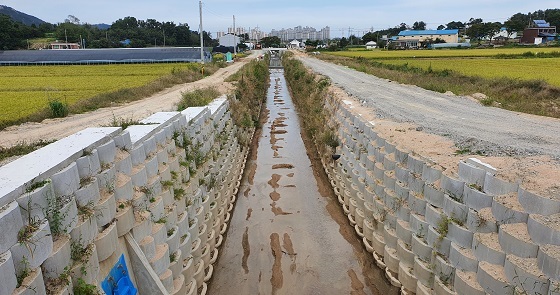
<point>21,17</point>
<point>125,32</point>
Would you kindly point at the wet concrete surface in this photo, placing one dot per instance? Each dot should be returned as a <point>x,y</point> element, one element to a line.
<point>285,237</point>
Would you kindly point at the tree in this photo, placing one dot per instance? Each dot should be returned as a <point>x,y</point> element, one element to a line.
<point>492,28</point>
<point>369,36</point>
<point>354,40</point>
<point>441,27</point>
<point>72,19</point>
<point>553,17</point>
<point>454,25</point>
<point>476,31</point>
<point>343,42</point>
<point>516,23</point>
<point>421,25</point>
<point>272,41</point>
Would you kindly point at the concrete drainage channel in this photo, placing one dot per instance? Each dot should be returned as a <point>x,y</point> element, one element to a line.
<point>145,207</point>
<point>283,238</point>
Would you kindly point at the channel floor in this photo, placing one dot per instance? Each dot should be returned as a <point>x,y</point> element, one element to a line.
<point>287,234</point>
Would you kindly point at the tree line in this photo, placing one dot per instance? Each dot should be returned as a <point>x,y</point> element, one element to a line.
<point>125,32</point>
<point>475,28</point>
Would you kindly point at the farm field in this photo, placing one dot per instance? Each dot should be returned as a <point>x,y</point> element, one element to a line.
<point>535,68</point>
<point>28,89</point>
<point>391,54</point>
<point>472,62</point>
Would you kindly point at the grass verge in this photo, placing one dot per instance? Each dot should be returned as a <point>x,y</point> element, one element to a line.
<point>527,96</point>
<point>22,148</point>
<point>251,86</point>
<point>197,98</point>
<point>309,93</point>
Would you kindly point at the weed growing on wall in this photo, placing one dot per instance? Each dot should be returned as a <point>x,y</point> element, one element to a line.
<point>197,98</point>
<point>309,94</point>
<point>252,84</point>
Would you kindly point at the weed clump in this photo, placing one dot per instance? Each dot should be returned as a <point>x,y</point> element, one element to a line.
<point>58,109</point>
<point>197,98</point>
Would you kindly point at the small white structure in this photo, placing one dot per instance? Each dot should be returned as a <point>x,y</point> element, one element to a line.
<point>229,40</point>
<point>371,45</point>
<point>295,44</point>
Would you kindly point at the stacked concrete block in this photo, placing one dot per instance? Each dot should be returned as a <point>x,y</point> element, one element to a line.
<point>463,232</point>
<point>82,195</point>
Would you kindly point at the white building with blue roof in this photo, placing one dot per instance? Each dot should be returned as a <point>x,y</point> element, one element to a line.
<point>449,36</point>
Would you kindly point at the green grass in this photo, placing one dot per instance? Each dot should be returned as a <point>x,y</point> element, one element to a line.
<point>197,98</point>
<point>22,148</point>
<point>25,92</point>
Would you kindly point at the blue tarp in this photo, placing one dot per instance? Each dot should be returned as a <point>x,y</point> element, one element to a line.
<point>118,281</point>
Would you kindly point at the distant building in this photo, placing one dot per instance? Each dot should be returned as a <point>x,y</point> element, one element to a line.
<point>371,45</point>
<point>302,33</point>
<point>539,32</point>
<point>60,45</point>
<point>229,40</point>
<point>412,39</point>
<point>295,44</point>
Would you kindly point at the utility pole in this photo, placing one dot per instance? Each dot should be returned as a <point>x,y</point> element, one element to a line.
<point>234,39</point>
<point>201,34</point>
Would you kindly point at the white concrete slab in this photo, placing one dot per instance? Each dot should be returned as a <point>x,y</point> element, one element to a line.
<point>42,163</point>
<point>161,118</point>
<point>193,113</point>
<point>216,104</point>
<point>139,133</point>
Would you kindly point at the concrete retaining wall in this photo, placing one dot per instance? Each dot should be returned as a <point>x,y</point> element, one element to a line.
<point>461,232</point>
<point>160,193</point>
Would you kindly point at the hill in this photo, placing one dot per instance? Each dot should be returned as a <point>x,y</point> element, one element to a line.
<point>20,16</point>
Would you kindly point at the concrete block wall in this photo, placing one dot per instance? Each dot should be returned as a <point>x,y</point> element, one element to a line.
<point>168,184</point>
<point>435,232</point>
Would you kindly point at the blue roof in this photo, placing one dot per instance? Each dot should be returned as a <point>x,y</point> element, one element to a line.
<point>428,32</point>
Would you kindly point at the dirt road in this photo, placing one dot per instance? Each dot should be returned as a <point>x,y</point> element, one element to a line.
<point>489,130</point>
<point>165,100</point>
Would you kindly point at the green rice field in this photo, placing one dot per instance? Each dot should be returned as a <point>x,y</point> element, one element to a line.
<point>483,63</point>
<point>28,89</point>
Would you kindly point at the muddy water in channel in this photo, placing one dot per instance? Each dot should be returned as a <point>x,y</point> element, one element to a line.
<point>284,236</point>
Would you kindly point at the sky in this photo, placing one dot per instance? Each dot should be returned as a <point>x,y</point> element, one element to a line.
<point>354,16</point>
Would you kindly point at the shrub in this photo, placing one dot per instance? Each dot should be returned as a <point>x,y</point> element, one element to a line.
<point>58,109</point>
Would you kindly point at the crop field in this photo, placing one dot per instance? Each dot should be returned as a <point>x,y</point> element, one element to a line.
<point>28,89</point>
<point>534,68</point>
<point>473,62</point>
<point>394,54</point>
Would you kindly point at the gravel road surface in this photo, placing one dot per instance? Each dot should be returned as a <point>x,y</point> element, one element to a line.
<point>491,131</point>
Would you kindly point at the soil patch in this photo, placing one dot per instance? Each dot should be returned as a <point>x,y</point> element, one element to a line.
<point>277,210</point>
<point>273,182</point>
<point>357,286</point>
<point>249,212</point>
<point>252,171</point>
<point>246,250</point>
<point>275,196</point>
<point>282,166</point>
<point>277,278</point>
